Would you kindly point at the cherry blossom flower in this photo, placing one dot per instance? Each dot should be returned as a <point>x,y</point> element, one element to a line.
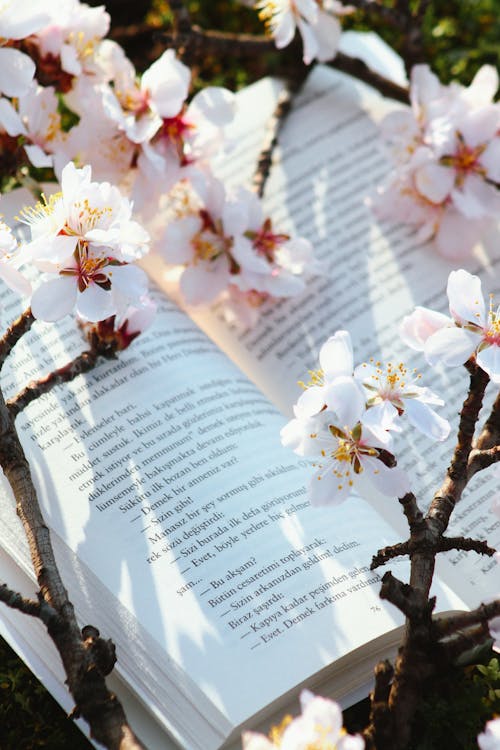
<point>471,330</point>
<point>10,260</point>
<point>37,119</point>
<point>446,150</point>
<point>316,22</point>
<point>17,21</point>
<point>490,738</point>
<point>350,454</point>
<point>86,237</point>
<point>319,725</point>
<point>394,391</point>
<point>70,37</point>
<point>228,248</point>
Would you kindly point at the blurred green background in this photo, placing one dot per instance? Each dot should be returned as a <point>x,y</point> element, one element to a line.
<point>459,37</point>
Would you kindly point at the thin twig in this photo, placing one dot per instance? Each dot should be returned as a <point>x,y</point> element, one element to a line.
<point>81,364</point>
<point>386,554</point>
<point>446,626</point>
<point>276,121</point>
<point>16,331</point>
<point>359,69</point>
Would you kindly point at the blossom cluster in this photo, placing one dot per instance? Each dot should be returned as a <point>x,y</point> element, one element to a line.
<point>346,416</point>
<point>68,94</point>
<point>446,153</point>
<point>316,20</point>
<point>471,330</point>
<point>318,726</point>
<point>228,249</point>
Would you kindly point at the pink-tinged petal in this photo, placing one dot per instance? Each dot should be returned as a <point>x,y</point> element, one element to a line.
<point>488,359</point>
<point>465,297</point>
<point>457,234</point>
<point>425,86</point>
<point>302,435</point>
<point>56,249</point>
<point>380,418</point>
<point>201,284</point>
<point>309,41</point>
<point>16,72</point>
<point>176,246</point>
<point>346,397</point>
<point>434,182</point>
<point>284,32</point>
<point>9,118</point>
<point>325,489</point>
<point>246,257</point>
<point>14,279</point>
<point>321,713</point>
<point>38,157</point>
<point>336,355</point>
<point>216,104</point>
<point>450,347</point>
<point>95,304</point>
<point>311,401</point>
<point>480,125</point>
<point>54,299</point>
<point>391,482</point>
<point>19,20</point>
<point>426,420</point>
<point>167,80</point>
<point>490,159</point>
<point>130,280</point>
<point>422,323</point>
<point>327,30</point>
<point>476,199</point>
<point>483,87</point>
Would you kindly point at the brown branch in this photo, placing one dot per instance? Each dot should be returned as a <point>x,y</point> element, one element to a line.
<point>85,679</point>
<point>81,364</point>
<point>357,68</point>
<point>276,121</point>
<point>481,459</point>
<point>16,331</point>
<point>413,514</point>
<point>446,626</point>
<point>389,553</point>
<point>464,641</point>
<point>447,543</point>
<point>199,42</point>
<point>406,598</point>
<point>451,490</point>
<point>14,600</point>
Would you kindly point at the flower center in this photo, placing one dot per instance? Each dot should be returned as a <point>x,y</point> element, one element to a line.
<point>88,269</point>
<point>174,130</point>
<point>492,333</point>
<point>210,242</point>
<point>265,241</point>
<point>465,159</point>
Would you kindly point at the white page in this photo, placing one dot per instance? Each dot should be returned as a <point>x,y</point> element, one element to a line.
<point>164,473</point>
<point>329,158</point>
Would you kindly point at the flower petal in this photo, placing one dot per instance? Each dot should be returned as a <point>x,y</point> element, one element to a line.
<point>465,297</point>
<point>426,420</point>
<point>54,299</point>
<point>450,347</point>
<point>345,396</point>
<point>336,355</point>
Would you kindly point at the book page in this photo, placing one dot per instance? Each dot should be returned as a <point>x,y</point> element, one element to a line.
<point>329,159</point>
<point>162,471</point>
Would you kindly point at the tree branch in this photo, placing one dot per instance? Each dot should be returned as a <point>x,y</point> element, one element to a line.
<point>81,364</point>
<point>16,331</point>
<point>446,626</point>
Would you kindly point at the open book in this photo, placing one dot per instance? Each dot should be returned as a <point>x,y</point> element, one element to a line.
<point>182,526</point>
